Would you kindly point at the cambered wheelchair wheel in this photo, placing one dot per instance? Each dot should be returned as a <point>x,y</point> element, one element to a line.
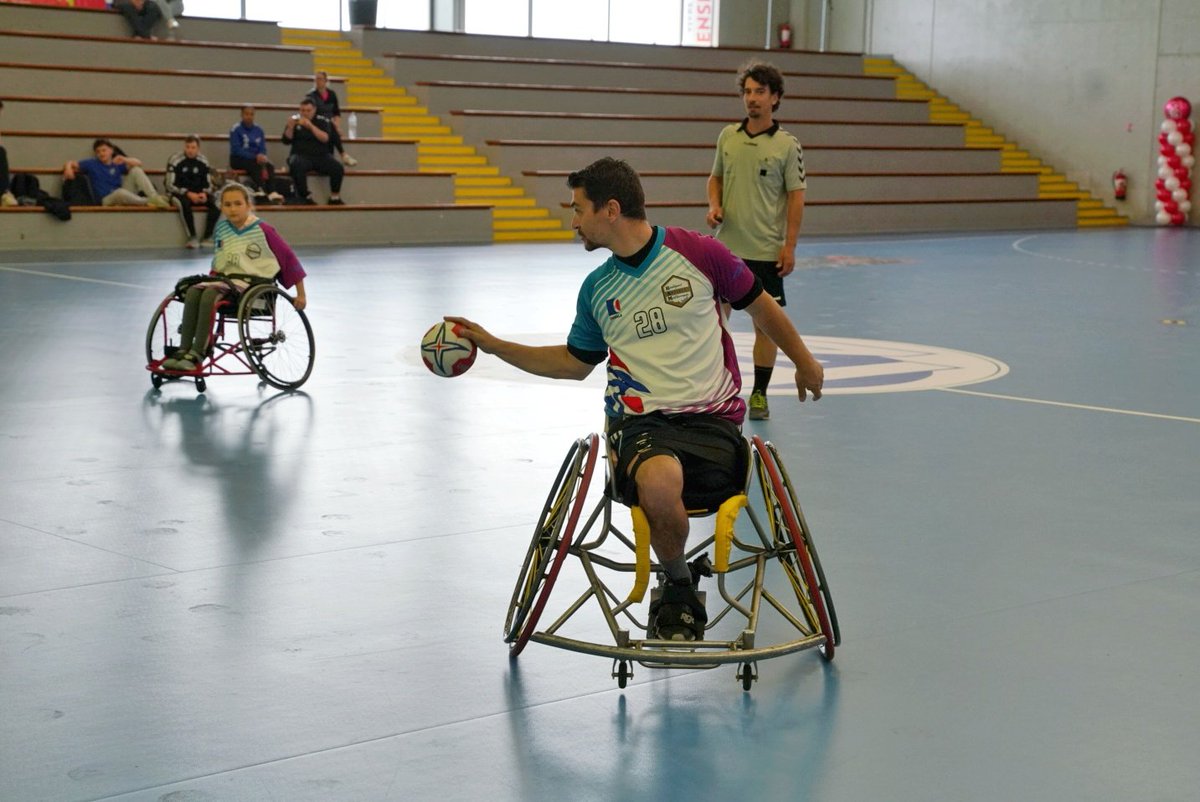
<point>162,335</point>
<point>277,339</point>
<point>551,541</point>
<point>801,565</point>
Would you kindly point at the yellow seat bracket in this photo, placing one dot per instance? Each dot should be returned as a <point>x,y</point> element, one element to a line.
<point>641,542</point>
<point>723,536</point>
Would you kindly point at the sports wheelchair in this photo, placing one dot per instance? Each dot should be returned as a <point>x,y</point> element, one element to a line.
<point>778,544</point>
<point>255,330</point>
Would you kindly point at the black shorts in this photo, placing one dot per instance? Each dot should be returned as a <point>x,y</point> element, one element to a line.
<point>768,274</point>
<point>711,450</point>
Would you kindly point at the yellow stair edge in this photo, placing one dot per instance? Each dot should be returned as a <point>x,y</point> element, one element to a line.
<point>521,212</point>
<point>483,181</point>
<point>486,169</point>
<point>446,150</point>
<point>455,161</point>
<point>546,224</point>
<point>533,236</point>
<point>488,192</point>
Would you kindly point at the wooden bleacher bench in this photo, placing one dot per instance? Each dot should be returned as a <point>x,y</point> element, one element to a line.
<point>528,70</point>
<point>363,224</point>
<point>362,187</point>
<point>65,113</point>
<point>662,129</point>
<point>726,57</point>
<point>441,96</point>
<point>107,22</point>
<point>86,50</point>
<point>161,83</point>
<point>51,146</point>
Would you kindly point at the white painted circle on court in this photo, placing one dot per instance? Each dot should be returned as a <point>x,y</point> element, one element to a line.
<point>876,366</point>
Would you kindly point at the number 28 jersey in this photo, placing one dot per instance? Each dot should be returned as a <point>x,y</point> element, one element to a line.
<point>661,325</point>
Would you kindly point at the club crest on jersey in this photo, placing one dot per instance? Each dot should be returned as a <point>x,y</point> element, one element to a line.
<point>613,306</point>
<point>677,291</point>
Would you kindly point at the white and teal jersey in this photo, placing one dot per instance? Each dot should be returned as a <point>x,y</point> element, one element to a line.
<point>245,252</point>
<point>661,324</point>
<point>757,172</point>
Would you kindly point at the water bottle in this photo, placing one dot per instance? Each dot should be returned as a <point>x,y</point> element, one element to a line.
<point>353,121</point>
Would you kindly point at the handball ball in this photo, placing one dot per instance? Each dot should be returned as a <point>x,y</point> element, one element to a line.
<point>1177,108</point>
<point>445,351</point>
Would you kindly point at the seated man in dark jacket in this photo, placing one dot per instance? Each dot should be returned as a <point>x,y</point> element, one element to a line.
<point>309,135</point>
<point>6,196</point>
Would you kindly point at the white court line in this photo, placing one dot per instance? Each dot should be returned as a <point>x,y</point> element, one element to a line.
<point>75,278</point>
<point>1069,405</point>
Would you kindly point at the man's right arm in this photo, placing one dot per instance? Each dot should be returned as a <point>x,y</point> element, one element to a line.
<point>716,212</point>
<point>551,361</point>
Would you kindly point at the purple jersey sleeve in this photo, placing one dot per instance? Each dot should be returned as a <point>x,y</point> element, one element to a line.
<point>731,279</point>
<point>290,269</point>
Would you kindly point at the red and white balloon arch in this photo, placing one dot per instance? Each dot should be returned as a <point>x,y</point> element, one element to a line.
<point>1175,161</point>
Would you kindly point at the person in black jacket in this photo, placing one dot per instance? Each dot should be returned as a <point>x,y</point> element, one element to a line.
<point>326,101</point>
<point>6,196</point>
<point>309,134</point>
<point>189,182</point>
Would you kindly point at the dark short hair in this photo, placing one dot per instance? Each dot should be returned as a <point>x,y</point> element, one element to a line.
<point>191,138</point>
<point>308,101</point>
<point>766,74</point>
<point>102,141</point>
<point>611,179</point>
<point>249,106</point>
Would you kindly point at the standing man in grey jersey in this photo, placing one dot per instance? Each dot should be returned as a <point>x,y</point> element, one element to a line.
<point>756,196</point>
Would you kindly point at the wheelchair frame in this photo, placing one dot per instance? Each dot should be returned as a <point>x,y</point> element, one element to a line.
<point>274,343</point>
<point>783,536</point>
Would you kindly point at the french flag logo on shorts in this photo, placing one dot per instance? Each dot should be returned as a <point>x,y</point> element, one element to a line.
<point>613,305</point>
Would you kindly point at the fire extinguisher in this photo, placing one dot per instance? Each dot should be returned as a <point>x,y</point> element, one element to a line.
<point>785,35</point>
<point>1120,184</point>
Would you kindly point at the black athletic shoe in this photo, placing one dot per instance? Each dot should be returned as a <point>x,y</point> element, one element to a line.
<point>678,614</point>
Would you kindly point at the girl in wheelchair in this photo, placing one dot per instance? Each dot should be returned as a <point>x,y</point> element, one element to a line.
<point>247,250</point>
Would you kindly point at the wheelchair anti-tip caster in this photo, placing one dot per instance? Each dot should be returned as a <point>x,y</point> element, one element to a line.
<point>747,675</point>
<point>622,671</point>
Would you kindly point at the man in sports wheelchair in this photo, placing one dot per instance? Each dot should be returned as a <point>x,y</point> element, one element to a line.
<point>250,258</point>
<point>653,311</point>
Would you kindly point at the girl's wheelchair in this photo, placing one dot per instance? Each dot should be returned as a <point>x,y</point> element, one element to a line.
<point>254,330</point>
<point>777,545</point>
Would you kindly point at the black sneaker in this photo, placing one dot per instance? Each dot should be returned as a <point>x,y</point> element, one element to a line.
<point>678,614</point>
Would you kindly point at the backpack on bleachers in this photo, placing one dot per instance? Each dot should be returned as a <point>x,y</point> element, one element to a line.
<point>29,192</point>
<point>26,188</point>
<point>284,186</point>
<point>77,191</point>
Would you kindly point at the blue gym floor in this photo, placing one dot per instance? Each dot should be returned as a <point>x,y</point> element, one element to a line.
<point>250,595</point>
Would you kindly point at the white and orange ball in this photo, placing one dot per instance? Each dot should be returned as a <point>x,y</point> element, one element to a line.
<point>445,351</point>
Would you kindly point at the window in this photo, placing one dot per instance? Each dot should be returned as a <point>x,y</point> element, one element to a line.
<point>554,19</point>
<point>411,15</point>
<point>221,9</point>
<point>500,17</point>
<point>296,15</point>
<point>648,21</point>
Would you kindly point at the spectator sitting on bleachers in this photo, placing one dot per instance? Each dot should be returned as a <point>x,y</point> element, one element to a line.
<point>189,182</point>
<point>309,135</point>
<point>326,101</point>
<point>6,196</point>
<point>116,179</point>
<point>142,16</point>
<point>248,153</point>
